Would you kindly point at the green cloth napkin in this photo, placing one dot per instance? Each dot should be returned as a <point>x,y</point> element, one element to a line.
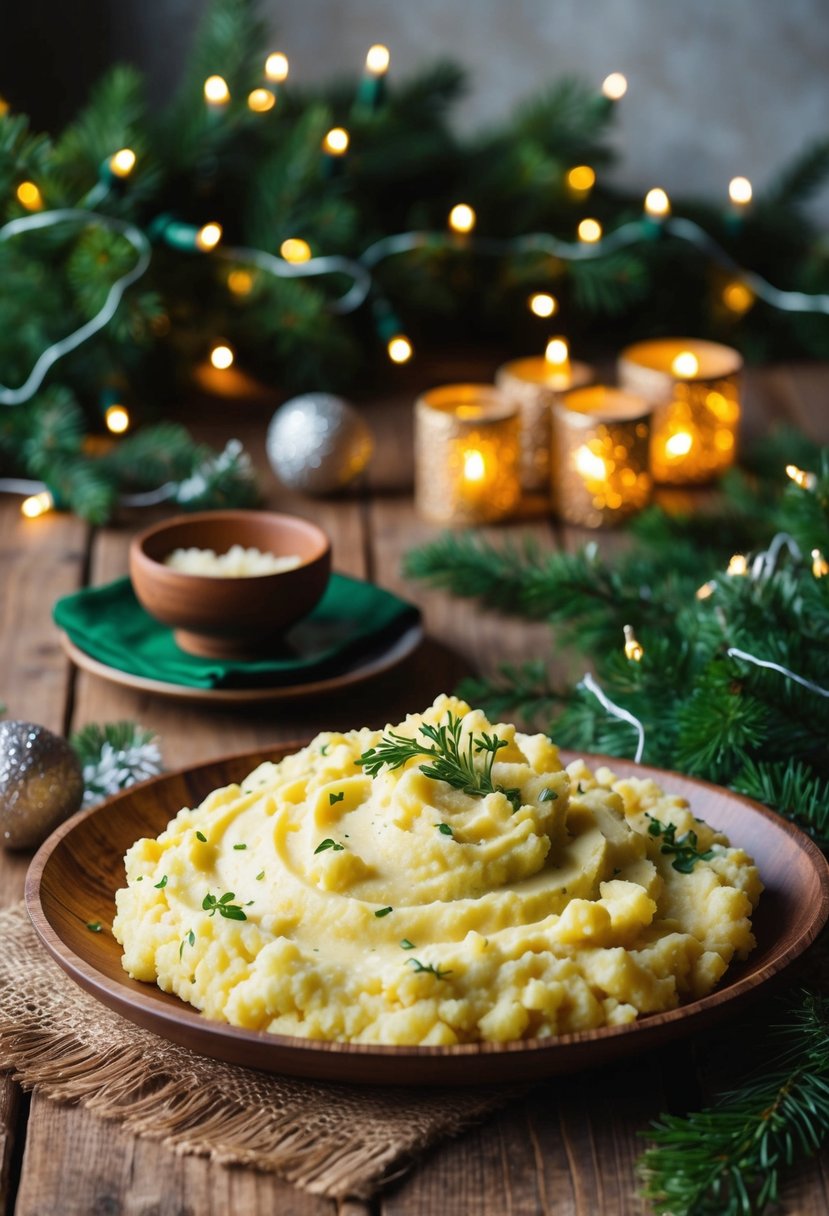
<point>352,618</point>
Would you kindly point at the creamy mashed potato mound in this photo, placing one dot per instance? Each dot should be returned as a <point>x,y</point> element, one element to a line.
<point>430,915</point>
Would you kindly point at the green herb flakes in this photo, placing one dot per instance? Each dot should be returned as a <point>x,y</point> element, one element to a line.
<point>405,944</point>
<point>332,798</point>
<point>159,886</point>
<point>224,906</point>
<point>201,836</point>
<point>444,829</point>
<point>547,795</point>
<point>94,926</point>
<point>239,847</point>
<point>328,843</point>
<point>383,911</point>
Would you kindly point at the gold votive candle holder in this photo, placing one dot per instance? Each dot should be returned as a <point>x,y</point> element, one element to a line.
<point>694,388</point>
<point>466,454</point>
<point>534,384</point>
<point>600,472</point>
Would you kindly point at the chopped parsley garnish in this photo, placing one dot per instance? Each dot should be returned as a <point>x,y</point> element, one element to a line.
<point>547,795</point>
<point>406,944</point>
<point>94,926</point>
<point>260,875</point>
<point>328,843</point>
<point>240,846</point>
<point>451,761</point>
<point>201,836</point>
<point>189,940</point>
<point>438,972</point>
<point>224,906</point>
<point>685,848</point>
<point>324,749</point>
<point>383,911</point>
<point>332,798</point>
<point>140,878</point>
<point>159,886</point>
<point>445,829</point>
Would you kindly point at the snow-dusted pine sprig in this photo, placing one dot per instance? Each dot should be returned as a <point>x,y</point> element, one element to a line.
<point>114,756</point>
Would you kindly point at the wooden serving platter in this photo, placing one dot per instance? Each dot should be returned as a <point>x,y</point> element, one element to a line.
<point>75,874</point>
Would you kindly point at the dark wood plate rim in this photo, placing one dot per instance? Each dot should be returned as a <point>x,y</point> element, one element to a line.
<point>363,668</point>
<point>473,1063</point>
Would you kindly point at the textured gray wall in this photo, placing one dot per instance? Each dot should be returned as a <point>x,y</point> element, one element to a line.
<point>717,87</point>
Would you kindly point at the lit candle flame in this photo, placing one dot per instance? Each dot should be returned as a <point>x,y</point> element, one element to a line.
<point>679,444</point>
<point>685,364</point>
<point>474,465</point>
<point>589,465</point>
<point>557,356</point>
<point>634,649</point>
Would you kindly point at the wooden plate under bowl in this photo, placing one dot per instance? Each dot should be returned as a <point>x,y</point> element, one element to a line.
<point>75,874</point>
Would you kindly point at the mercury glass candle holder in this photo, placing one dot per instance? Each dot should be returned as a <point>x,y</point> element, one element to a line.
<point>694,389</point>
<point>600,456</point>
<point>535,385</point>
<point>466,454</point>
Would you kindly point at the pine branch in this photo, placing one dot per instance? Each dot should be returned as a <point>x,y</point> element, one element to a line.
<point>728,1159</point>
<point>793,790</point>
<point>800,180</point>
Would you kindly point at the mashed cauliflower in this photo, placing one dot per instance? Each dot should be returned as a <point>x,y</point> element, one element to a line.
<point>316,900</point>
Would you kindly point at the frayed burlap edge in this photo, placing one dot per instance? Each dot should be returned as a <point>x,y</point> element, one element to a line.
<point>332,1140</point>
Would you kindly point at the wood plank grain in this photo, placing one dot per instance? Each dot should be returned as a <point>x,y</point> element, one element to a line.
<point>10,1129</point>
<point>78,1164</point>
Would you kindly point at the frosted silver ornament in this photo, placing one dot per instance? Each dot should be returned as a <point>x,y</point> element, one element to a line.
<point>41,783</point>
<point>318,443</point>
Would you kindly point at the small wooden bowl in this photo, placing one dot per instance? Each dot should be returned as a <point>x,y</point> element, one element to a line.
<point>230,618</point>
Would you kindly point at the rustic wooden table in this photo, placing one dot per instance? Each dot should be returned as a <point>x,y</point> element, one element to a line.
<point>568,1148</point>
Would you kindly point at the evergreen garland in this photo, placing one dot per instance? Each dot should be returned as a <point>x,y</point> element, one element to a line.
<point>706,712</point>
<point>263,177</point>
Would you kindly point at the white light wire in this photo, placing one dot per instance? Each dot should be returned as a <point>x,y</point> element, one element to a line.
<point>616,711</point>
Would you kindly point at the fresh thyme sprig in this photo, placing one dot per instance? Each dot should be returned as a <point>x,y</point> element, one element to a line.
<point>451,761</point>
<point>728,1159</point>
<point>685,850</point>
<point>224,906</point>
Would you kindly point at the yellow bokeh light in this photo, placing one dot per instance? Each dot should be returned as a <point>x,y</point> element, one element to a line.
<point>261,100</point>
<point>474,465</point>
<point>615,86</point>
<point>400,349</point>
<point>462,218</point>
<point>122,162</point>
<point>706,590</point>
<point>294,249</point>
<point>378,59</point>
<point>685,364</point>
<point>740,191</point>
<point>117,419</point>
<point>806,481</point>
<point>208,236</point>
<point>590,231</point>
<point>679,444</point>
<point>581,178</point>
<point>820,566</point>
<point>657,203</point>
<point>737,297</point>
<point>738,566</point>
<point>543,304</point>
<point>37,504</point>
<point>222,356</point>
<point>276,67</point>
<point>216,92</point>
<point>557,353</point>
<point>240,282</point>
<point>634,650</point>
<point>29,195</point>
<point>4,107</point>
<point>589,465</point>
<point>336,141</point>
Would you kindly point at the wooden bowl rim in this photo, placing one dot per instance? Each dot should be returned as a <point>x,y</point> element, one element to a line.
<point>305,1055</point>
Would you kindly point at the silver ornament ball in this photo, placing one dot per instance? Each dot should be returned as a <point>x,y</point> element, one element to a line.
<point>318,443</point>
<point>41,783</point>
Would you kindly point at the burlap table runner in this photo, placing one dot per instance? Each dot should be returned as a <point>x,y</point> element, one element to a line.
<point>334,1140</point>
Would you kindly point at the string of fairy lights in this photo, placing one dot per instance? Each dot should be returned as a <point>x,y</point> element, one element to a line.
<point>297,260</point>
<point>762,567</point>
